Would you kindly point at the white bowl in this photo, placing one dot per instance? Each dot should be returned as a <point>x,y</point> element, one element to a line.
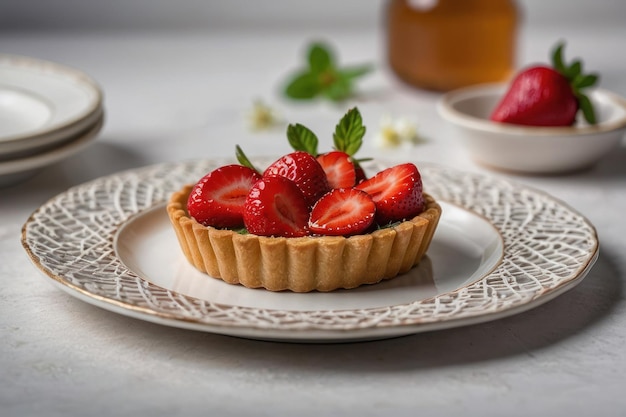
<point>532,150</point>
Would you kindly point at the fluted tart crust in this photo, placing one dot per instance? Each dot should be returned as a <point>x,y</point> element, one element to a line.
<point>303,264</point>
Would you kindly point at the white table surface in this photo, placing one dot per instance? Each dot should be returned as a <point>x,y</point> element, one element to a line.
<point>177,96</point>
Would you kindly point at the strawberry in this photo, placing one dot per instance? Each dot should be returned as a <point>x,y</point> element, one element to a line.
<point>547,96</point>
<point>360,174</point>
<point>342,212</point>
<point>275,206</point>
<point>303,169</point>
<point>339,168</point>
<point>397,193</point>
<point>217,199</point>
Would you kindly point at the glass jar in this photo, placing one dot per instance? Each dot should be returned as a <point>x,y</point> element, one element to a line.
<point>447,44</point>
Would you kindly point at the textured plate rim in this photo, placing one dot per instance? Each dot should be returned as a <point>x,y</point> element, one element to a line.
<point>311,332</point>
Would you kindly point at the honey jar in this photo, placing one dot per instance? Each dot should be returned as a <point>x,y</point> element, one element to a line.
<point>446,44</point>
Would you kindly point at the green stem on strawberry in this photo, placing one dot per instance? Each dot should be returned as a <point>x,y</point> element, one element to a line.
<point>578,80</point>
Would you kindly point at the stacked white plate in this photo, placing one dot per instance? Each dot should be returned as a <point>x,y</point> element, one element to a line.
<point>48,112</point>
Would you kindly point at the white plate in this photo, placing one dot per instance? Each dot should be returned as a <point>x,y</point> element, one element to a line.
<point>42,102</point>
<point>16,170</point>
<point>500,249</point>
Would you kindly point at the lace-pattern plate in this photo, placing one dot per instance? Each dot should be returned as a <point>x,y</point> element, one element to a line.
<point>546,249</point>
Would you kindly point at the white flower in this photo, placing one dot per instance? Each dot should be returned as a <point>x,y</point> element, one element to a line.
<point>262,116</point>
<point>394,133</point>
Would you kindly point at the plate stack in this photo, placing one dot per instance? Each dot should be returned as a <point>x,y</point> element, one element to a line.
<point>47,113</point>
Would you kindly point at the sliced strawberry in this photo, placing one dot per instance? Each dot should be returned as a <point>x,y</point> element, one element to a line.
<point>339,169</point>
<point>275,206</point>
<point>397,193</point>
<point>218,198</point>
<point>342,212</point>
<point>303,169</point>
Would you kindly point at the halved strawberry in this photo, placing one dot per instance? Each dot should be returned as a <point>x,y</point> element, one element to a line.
<point>217,199</point>
<point>339,168</point>
<point>342,212</point>
<point>303,169</point>
<point>397,193</point>
<point>275,206</point>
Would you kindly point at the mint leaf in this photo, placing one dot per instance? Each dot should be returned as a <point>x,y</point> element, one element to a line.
<point>340,89</point>
<point>349,132</point>
<point>320,58</point>
<point>301,138</point>
<point>303,85</point>
<point>355,72</point>
<point>243,159</point>
<point>321,76</point>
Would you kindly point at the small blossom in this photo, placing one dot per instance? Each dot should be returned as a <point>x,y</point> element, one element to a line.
<point>394,133</point>
<point>262,116</point>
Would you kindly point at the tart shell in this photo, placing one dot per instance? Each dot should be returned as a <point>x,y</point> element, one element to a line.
<point>303,264</point>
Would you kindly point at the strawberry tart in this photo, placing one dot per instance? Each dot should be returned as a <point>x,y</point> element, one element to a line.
<point>308,221</point>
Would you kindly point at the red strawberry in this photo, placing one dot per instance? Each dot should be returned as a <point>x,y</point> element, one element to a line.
<point>339,169</point>
<point>545,96</point>
<point>217,199</point>
<point>360,174</point>
<point>275,206</point>
<point>342,212</point>
<point>397,193</point>
<point>303,169</point>
<point>538,96</point>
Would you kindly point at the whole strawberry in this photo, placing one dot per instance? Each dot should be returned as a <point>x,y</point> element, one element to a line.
<point>547,96</point>
<point>304,170</point>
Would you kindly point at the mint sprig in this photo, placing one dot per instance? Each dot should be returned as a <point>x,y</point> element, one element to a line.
<point>578,80</point>
<point>349,132</point>
<point>348,138</point>
<point>243,159</point>
<point>348,135</point>
<point>323,77</point>
<point>301,138</point>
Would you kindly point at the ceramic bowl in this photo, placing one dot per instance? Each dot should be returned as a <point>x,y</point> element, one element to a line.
<point>532,150</point>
